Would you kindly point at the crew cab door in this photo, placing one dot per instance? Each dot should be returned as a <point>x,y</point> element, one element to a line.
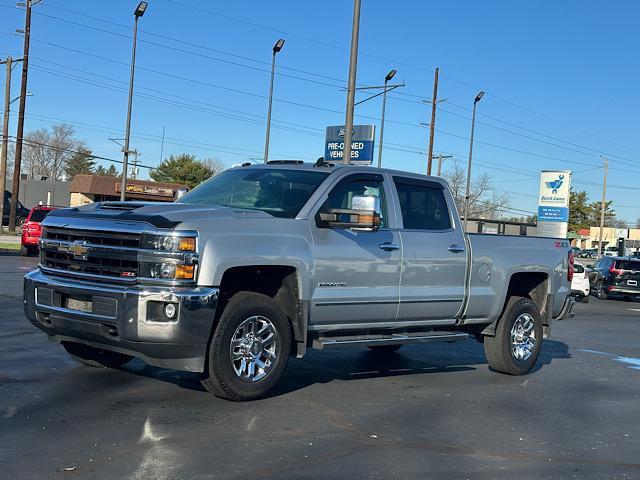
<point>432,282</point>
<point>356,272</point>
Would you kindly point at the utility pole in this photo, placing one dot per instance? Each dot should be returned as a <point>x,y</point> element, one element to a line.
<point>351,88</point>
<point>432,128</point>
<point>440,159</point>
<point>604,205</point>
<point>19,134</point>
<point>5,136</point>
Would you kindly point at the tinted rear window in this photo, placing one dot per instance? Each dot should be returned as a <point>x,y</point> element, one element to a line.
<point>628,264</point>
<point>578,268</point>
<point>38,215</point>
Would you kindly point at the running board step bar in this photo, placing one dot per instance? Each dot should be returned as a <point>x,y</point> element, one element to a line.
<point>393,339</point>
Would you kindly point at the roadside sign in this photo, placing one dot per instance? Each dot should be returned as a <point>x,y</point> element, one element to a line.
<point>553,203</point>
<point>362,142</point>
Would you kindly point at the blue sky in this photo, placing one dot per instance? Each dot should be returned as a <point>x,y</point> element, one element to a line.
<point>561,79</point>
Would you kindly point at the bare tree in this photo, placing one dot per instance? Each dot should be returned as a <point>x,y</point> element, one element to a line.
<point>47,151</point>
<point>215,165</point>
<point>484,201</point>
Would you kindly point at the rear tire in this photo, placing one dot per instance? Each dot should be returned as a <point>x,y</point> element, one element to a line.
<point>585,299</point>
<point>244,364</point>
<point>600,293</point>
<point>95,357</point>
<point>385,348</point>
<point>516,345</point>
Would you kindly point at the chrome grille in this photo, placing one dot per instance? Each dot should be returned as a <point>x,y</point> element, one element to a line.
<point>92,253</point>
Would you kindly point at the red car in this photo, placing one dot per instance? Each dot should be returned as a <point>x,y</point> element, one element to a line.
<point>31,230</point>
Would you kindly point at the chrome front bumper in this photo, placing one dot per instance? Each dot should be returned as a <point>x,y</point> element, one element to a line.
<point>125,319</point>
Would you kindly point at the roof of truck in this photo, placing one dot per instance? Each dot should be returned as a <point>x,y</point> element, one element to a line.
<point>328,167</point>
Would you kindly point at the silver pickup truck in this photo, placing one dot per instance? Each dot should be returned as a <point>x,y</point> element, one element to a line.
<point>264,261</point>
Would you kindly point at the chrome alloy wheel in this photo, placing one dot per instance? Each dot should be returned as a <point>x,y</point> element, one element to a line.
<point>253,348</point>
<point>523,337</point>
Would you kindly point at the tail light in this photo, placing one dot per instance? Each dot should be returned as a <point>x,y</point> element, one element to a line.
<point>614,270</point>
<point>570,269</point>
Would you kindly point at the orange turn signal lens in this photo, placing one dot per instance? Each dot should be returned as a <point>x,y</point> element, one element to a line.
<point>187,244</point>
<point>185,272</point>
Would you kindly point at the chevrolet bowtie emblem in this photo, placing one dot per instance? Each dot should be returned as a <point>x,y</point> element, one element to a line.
<point>79,249</point>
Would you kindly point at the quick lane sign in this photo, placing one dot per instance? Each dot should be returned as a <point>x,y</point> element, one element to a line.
<point>553,203</point>
<point>362,143</point>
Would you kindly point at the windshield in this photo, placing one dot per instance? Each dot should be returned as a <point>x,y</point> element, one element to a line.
<point>279,192</point>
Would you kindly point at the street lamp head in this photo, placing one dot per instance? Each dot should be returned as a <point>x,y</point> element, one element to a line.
<point>390,75</point>
<point>278,46</point>
<point>479,96</point>
<point>139,11</point>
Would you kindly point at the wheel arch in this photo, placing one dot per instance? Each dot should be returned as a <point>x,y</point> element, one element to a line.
<point>532,285</point>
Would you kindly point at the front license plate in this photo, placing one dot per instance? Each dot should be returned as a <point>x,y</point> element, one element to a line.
<point>633,283</point>
<point>80,305</point>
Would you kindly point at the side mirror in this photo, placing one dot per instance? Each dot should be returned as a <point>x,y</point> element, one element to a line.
<point>180,193</point>
<point>364,214</point>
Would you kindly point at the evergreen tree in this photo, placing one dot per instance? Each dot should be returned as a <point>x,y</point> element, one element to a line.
<point>184,169</point>
<point>81,161</point>
<point>107,172</point>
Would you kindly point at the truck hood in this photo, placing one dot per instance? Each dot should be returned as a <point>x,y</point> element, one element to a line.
<point>157,214</point>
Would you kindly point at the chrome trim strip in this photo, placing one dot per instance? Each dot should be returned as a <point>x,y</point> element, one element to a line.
<point>386,302</point>
<point>113,279</point>
<point>374,325</point>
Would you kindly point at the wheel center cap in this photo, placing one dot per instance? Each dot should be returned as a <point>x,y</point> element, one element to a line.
<point>255,348</point>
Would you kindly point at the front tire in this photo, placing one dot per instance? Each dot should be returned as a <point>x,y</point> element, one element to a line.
<point>249,349</point>
<point>95,357</point>
<point>516,346</point>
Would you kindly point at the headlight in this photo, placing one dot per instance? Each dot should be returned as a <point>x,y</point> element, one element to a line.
<point>168,257</point>
<point>167,270</point>
<point>169,243</point>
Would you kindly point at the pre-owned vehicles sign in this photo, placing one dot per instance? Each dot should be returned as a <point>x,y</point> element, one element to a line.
<point>361,144</point>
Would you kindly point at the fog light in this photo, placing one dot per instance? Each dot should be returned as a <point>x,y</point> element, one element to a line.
<point>170,310</point>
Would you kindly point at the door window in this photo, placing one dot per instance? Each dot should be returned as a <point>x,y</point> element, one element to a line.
<point>357,185</point>
<point>423,205</point>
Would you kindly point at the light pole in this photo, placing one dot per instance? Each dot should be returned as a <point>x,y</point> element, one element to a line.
<point>604,206</point>
<point>466,194</point>
<point>276,48</point>
<point>389,76</point>
<point>138,12</point>
<point>351,87</point>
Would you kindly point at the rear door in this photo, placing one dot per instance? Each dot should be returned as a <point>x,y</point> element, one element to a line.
<point>434,259</point>
<point>356,272</point>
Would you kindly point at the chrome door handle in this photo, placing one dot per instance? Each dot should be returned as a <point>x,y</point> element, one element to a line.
<point>387,246</point>
<point>456,248</point>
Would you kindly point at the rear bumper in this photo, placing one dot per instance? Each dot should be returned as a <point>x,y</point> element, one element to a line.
<point>28,241</point>
<point>566,308</point>
<point>126,319</point>
<point>622,289</point>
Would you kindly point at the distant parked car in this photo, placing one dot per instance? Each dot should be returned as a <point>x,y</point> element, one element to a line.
<point>611,252</point>
<point>21,211</point>
<point>31,230</point>
<point>580,283</point>
<point>587,253</point>
<point>615,275</point>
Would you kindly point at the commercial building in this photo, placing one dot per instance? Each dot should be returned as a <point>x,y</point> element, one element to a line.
<point>86,189</point>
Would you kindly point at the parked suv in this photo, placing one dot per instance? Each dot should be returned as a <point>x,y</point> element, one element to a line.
<point>21,210</point>
<point>31,229</point>
<point>580,283</point>
<point>615,275</point>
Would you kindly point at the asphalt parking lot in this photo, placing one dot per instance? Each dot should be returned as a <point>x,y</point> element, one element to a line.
<point>432,411</point>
